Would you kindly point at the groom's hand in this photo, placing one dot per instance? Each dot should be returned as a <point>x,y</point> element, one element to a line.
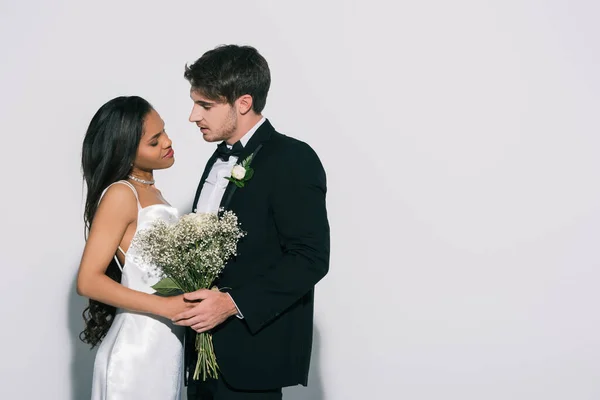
<point>212,308</point>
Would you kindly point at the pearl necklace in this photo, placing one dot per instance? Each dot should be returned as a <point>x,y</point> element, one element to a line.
<point>133,178</point>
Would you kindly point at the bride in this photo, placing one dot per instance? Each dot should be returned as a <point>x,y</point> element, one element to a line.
<point>140,351</point>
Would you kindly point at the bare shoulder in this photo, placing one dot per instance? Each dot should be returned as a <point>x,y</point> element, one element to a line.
<point>119,202</point>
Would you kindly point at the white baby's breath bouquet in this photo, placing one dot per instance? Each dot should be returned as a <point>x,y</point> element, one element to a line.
<point>189,255</point>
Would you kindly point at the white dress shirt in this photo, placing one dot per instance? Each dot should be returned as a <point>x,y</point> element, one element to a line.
<point>215,184</point>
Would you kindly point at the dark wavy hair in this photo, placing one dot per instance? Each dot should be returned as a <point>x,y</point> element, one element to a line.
<point>109,149</point>
<point>231,71</point>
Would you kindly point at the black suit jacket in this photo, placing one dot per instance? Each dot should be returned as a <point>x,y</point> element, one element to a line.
<point>284,254</point>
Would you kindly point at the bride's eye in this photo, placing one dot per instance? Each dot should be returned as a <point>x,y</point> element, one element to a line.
<point>154,144</point>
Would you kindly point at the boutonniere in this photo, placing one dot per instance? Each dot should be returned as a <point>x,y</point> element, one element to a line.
<point>241,173</point>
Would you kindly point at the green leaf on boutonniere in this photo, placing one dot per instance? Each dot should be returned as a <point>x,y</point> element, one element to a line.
<point>167,287</point>
<point>249,174</point>
<point>247,161</point>
<point>237,183</point>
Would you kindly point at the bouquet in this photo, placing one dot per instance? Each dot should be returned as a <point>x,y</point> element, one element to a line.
<point>189,255</point>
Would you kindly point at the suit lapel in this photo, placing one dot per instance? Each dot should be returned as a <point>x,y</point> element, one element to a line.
<point>207,169</point>
<point>254,145</point>
<point>231,187</point>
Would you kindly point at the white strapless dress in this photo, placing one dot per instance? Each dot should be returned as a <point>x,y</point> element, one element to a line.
<point>141,357</point>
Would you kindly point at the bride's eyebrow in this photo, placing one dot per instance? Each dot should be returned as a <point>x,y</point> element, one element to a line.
<point>155,136</point>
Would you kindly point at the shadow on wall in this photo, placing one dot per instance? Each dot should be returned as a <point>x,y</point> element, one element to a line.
<point>82,362</point>
<point>314,390</point>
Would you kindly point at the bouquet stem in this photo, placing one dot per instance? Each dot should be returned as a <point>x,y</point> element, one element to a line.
<point>206,365</point>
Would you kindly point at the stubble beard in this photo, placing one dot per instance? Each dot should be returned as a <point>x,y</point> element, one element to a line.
<point>229,128</point>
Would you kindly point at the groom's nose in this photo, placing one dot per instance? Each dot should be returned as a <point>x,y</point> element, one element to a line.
<point>196,114</point>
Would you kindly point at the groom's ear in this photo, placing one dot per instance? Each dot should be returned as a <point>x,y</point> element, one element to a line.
<point>244,104</point>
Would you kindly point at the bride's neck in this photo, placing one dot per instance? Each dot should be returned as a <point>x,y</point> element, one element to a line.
<point>142,174</point>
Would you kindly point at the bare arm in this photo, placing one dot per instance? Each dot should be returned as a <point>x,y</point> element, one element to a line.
<point>117,210</point>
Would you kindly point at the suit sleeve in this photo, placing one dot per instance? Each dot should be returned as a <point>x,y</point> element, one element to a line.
<point>300,215</point>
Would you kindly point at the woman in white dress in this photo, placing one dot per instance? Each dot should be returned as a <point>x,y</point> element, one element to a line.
<point>140,351</point>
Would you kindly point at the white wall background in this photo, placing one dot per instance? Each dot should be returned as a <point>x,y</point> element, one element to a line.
<point>460,140</point>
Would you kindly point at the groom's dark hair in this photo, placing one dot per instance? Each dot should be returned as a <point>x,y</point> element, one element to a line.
<point>230,71</point>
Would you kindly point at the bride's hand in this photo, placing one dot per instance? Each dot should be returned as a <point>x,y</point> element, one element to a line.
<point>174,305</point>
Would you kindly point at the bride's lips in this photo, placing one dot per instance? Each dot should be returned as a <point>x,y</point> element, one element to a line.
<point>169,154</point>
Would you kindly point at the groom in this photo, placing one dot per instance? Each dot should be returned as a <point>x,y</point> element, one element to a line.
<point>262,319</point>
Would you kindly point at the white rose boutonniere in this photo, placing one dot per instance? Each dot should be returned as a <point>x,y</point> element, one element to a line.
<point>241,173</point>
<point>238,172</point>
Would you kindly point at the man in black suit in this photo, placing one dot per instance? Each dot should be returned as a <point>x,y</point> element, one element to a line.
<point>262,319</point>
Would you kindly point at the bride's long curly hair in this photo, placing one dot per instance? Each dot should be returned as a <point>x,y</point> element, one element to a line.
<point>109,150</point>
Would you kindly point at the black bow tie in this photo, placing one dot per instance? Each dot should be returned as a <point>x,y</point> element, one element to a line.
<point>225,152</point>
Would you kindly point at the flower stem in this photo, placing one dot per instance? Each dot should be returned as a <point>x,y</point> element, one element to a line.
<point>206,365</point>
